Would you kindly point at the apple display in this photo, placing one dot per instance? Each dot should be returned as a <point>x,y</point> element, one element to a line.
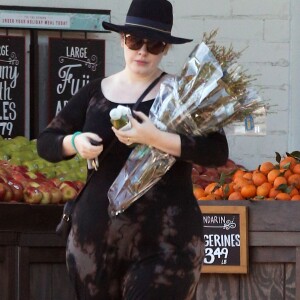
<point>26,177</point>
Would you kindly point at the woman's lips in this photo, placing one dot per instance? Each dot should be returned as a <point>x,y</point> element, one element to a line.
<point>141,62</point>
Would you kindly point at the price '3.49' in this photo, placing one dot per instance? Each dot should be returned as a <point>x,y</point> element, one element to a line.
<point>211,255</point>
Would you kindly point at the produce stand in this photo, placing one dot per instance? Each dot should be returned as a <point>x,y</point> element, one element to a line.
<point>32,257</point>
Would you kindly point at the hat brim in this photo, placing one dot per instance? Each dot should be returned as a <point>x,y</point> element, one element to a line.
<point>145,33</point>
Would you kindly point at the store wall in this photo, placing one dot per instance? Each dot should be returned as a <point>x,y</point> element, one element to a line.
<point>267,28</point>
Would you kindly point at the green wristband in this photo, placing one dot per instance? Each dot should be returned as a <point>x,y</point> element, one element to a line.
<point>73,139</point>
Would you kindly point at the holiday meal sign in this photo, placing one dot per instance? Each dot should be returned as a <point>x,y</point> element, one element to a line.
<point>12,86</point>
<point>72,64</point>
<point>225,238</point>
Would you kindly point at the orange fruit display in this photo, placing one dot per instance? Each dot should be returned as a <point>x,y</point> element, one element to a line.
<point>235,196</point>
<point>210,188</point>
<point>264,189</point>
<point>269,181</point>
<point>283,197</point>
<point>259,178</point>
<point>295,198</point>
<point>198,191</point>
<point>273,193</point>
<point>294,180</point>
<point>248,191</point>
<point>238,173</point>
<point>272,175</point>
<point>266,167</point>
<point>279,180</point>
<point>296,169</point>
<point>288,163</point>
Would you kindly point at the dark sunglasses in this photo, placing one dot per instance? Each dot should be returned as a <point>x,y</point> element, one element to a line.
<point>136,43</point>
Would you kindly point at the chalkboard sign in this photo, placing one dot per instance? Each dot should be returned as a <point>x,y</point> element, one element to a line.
<point>72,64</point>
<point>12,86</point>
<point>226,239</point>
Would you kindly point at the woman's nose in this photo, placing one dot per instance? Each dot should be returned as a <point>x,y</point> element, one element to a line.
<point>143,49</point>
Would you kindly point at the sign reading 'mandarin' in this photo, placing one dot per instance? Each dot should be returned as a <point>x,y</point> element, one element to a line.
<point>72,64</point>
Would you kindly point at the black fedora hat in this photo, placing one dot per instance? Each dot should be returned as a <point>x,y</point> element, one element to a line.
<point>151,19</point>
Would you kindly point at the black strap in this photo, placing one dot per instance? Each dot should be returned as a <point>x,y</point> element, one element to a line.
<point>107,149</point>
<point>147,90</point>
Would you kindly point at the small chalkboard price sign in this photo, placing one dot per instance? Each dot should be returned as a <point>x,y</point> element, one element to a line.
<point>226,239</point>
<point>73,63</point>
<point>12,87</point>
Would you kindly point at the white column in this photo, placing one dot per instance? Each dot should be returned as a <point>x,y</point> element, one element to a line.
<point>294,109</point>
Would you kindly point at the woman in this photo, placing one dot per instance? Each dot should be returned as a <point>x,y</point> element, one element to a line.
<point>153,250</point>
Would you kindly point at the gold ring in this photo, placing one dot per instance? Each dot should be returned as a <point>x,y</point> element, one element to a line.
<point>128,140</point>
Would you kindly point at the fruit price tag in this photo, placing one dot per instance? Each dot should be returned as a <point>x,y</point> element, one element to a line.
<point>12,87</point>
<point>226,239</point>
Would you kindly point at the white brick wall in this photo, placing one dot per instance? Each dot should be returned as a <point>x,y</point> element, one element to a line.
<point>270,31</point>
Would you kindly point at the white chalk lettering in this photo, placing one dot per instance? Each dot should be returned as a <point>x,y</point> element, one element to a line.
<point>223,240</point>
<point>68,80</point>
<point>77,52</point>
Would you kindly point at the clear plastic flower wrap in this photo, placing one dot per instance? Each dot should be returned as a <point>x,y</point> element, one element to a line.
<point>211,92</point>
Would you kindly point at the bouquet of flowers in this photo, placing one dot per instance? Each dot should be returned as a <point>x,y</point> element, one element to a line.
<point>211,92</point>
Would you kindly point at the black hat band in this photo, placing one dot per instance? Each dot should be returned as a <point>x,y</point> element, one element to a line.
<point>145,23</point>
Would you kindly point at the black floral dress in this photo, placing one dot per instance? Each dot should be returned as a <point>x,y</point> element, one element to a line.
<point>154,250</point>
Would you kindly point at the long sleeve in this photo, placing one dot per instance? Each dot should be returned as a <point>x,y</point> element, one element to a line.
<point>70,119</point>
<point>210,150</point>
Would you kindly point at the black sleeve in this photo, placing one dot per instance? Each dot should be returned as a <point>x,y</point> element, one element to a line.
<point>70,119</point>
<point>209,150</point>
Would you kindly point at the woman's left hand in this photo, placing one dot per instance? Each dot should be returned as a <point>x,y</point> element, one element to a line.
<point>142,131</point>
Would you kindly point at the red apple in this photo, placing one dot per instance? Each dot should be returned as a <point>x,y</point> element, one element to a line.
<point>68,189</point>
<point>3,171</point>
<point>6,192</point>
<point>20,169</point>
<point>199,168</point>
<point>40,176</point>
<point>194,172</point>
<point>2,191</point>
<point>56,194</point>
<point>45,189</point>
<point>17,189</point>
<point>56,181</point>
<point>32,195</point>
<point>22,178</point>
<point>79,184</point>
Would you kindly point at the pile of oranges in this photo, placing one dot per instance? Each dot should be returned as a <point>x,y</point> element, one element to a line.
<point>280,181</point>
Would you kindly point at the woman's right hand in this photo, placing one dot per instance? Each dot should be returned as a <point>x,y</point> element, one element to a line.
<point>85,145</point>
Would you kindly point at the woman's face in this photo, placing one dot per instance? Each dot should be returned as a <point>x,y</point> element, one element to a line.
<point>141,61</point>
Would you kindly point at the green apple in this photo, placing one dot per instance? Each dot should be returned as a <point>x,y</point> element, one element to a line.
<point>20,140</point>
<point>15,160</point>
<point>49,172</point>
<point>4,154</point>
